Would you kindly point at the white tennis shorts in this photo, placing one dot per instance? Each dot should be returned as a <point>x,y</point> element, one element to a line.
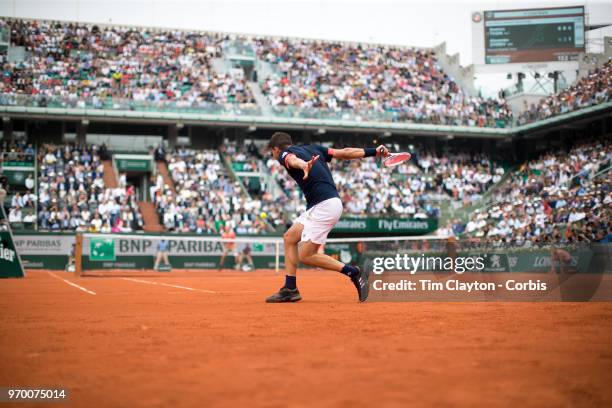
<point>319,220</point>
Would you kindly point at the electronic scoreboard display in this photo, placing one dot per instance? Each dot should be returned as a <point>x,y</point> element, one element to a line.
<point>534,35</point>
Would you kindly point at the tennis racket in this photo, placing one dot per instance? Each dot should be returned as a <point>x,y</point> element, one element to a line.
<point>394,159</point>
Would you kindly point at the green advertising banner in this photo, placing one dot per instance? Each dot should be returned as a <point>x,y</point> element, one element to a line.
<point>10,264</point>
<point>134,165</point>
<point>240,166</point>
<point>102,249</point>
<point>17,177</point>
<point>408,226</point>
<point>129,162</point>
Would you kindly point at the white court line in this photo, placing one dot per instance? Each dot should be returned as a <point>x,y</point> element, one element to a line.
<point>71,283</point>
<point>169,284</point>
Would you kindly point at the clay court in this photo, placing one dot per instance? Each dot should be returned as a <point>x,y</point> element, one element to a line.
<point>208,339</point>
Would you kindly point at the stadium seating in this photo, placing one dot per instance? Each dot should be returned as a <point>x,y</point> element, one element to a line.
<point>247,159</point>
<point>372,82</point>
<point>531,207</point>
<point>72,194</point>
<point>20,204</point>
<point>591,90</point>
<point>78,65</point>
<point>415,188</point>
<point>206,197</point>
<point>557,198</point>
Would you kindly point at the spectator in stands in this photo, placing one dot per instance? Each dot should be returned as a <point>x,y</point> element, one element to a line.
<point>556,198</point>
<point>369,83</point>
<point>15,215</point>
<point>159,154</point>
<point>79,65</point>
<point>71,188</point>
<point>593,89</point>
<point>29,182</point>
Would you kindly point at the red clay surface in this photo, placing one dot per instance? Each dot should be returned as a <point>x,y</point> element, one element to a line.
<point>135,344</point>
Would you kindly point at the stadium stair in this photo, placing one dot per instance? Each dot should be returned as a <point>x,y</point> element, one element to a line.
<point>463,76</point>
<point>162,168</point>
<point>221,66</point>
<point>150,217</point>
<point>261,99</point>
<point>265,70</point>
<point>110,177</point>
<point>232,174</point>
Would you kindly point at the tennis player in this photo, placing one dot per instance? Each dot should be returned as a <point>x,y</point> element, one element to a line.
<point>307,165</point>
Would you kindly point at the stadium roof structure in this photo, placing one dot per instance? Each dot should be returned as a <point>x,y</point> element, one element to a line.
<point>274,122</point>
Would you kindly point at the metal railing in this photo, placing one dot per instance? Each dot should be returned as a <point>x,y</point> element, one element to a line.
<point>17,159</point>
<point>373,119</point>
<point>40,101</point>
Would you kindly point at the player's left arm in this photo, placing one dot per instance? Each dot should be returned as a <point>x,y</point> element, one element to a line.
<point>350,153</point>
<point>292,161</point>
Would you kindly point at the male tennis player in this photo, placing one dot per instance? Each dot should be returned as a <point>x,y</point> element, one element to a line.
<point>323,211</point>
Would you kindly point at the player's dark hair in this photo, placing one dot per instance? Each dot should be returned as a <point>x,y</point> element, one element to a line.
<point>281,140</point>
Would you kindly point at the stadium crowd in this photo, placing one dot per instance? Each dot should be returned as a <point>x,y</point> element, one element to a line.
<point>21,205</point>
<point>593,89</point>
<point>72,195</point>
<point>556,198</point>
<point>247,158</point>
<point>109,67</point>
<point>207,198</point>
<point>415,188</point>
<point>293,199</point>
<point>17,151</point>
<point>79,65</point>
<point>462,176</point>
<point>401,84</point>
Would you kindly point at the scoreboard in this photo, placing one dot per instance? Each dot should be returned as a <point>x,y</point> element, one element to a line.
<point>534,35</point>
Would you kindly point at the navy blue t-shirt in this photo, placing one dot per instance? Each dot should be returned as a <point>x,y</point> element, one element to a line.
<point>319,186</point>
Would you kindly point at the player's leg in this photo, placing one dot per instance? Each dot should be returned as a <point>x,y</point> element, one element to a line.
<point>166,260</point>
<point>157,260</point>
<point>319,224</point>
<point>309,255</point>
<point>291,238</point>
<point>289,292</point>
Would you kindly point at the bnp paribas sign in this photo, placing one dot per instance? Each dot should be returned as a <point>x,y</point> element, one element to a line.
<point>102,249</point>
<point>10,262</point>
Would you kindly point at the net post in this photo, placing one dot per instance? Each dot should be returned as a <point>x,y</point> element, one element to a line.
<point>78,251</point>
<point>277,255</point>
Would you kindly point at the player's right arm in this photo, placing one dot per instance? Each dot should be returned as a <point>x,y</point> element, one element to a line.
<point>350,153</point>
